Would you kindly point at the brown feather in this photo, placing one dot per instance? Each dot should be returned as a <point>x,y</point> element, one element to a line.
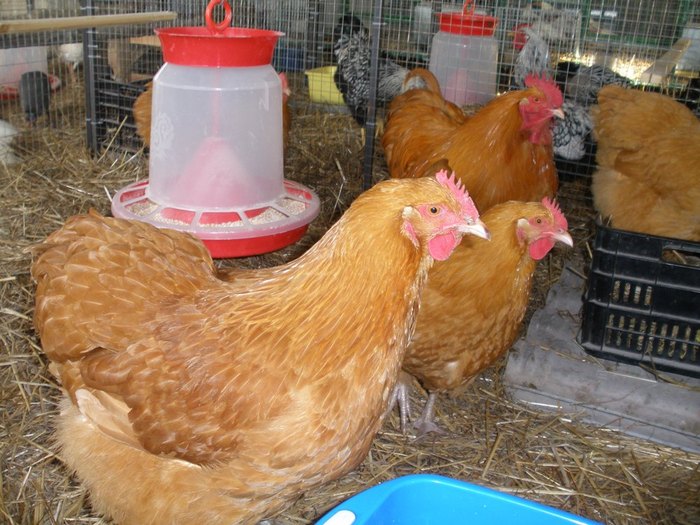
<point>142,114</point>
<point>489,152</point>
<point>648,156</point>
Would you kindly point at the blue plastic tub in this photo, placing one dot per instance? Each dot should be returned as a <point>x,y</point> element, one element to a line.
<point>426,499</point>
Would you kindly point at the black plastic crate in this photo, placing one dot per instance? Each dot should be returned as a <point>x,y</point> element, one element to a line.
<point>642,304</point>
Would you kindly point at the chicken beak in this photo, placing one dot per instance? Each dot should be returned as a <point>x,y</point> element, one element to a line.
<point>559,113</point>
<point>563,237</point>
<point>476,228</point>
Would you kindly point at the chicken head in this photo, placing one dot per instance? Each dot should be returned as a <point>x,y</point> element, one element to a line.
<point>538,109</point>
<point>542,231</point>
<point>444,226</point>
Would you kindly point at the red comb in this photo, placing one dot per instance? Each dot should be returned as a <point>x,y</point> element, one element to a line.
<point>550,89</point>
<point>556,211</point>
<point>459,191</point>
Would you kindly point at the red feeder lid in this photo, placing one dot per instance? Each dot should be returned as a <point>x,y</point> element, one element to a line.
<point>217,44</point>
<point>467,23</point>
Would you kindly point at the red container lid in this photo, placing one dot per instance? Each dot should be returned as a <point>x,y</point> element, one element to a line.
<point>217,44</point>
<point>467,23</point>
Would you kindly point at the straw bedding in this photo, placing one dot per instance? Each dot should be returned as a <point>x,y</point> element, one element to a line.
<point>550,458</point>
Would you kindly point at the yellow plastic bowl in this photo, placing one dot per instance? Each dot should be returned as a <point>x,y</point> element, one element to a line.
<point>322,88</point>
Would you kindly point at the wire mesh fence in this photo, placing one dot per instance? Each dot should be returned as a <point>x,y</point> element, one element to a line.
<point>40,71</point>
<point>652,44</point>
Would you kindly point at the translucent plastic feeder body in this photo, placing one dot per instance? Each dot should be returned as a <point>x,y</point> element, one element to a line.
<point>216,137</point>
<point>464,57</point>
<point>216,152</point>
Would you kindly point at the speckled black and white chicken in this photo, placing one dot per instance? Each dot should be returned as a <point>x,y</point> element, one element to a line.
<point>582,83</point>
<point>352,77</point>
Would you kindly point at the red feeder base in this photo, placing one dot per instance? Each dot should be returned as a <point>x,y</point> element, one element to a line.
<point>239,232</point>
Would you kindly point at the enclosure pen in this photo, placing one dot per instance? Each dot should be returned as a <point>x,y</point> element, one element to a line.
<point>78,152</point>
<point>372,100</point>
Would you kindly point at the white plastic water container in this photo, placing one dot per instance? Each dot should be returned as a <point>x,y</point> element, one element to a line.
<point>464,57</point>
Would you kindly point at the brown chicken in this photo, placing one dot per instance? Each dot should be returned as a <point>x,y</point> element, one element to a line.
<point>491,283</point>
<point>648,156</point>
<point>286,113</point>
<point>144,102</point>
<point>193,400</point>
<point>501,153</point>
<point>142,114</point>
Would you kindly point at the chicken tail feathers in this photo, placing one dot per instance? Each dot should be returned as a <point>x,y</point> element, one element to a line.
<point>420,78</point>
<point>133,486</point>
<point>38,249</point>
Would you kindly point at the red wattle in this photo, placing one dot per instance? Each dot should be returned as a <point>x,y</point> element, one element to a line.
<point>540,248</point>
<point>441,246</point>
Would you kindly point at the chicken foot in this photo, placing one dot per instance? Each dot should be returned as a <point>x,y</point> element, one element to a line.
<point>401,397</point>
<point>425,423</point>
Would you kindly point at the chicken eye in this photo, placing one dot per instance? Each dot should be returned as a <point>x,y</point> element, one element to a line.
<point>539,221</point>
<point>434,210</point>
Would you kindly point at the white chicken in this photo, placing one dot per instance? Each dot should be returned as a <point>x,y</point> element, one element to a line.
<point>72,55</point>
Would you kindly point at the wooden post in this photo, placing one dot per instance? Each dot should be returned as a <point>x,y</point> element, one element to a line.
<point>8,27</point>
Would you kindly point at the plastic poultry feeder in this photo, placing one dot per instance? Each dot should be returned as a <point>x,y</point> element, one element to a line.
<point>216,157</point>
<point>464,56</point>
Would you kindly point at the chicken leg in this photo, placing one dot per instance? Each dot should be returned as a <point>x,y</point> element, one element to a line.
<point>400,397</point>
<point>425,423</point>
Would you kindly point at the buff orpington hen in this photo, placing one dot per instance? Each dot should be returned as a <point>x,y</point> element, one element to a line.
<point>194,400</point>
<point>503,152</point>
<point>474,303</point>
<point>648,156</point>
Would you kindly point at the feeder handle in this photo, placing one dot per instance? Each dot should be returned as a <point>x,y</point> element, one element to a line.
<point>228,16</point>
<point>468,8</point>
